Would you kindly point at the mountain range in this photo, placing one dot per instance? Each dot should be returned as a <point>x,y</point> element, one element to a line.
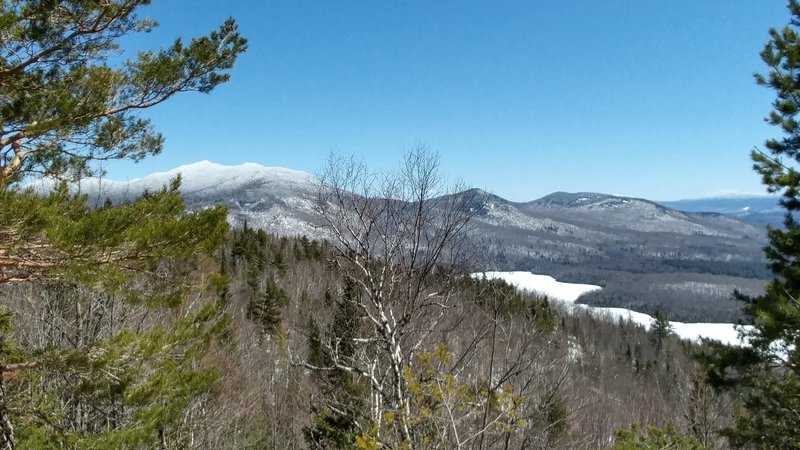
<point>756,209</point>
<point>683,257</point>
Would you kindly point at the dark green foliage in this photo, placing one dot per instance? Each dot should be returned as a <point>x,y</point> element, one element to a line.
<point>331,407</point>
<point>661,329</point>
<point>8,352</point>
<point>331,431</point>
<point>110,247</point>
<point>316,353</point>
<point>261,258</point>
<point>257,253</point>
<point>252,248</point>
<point>653,438</point>
<point>156,376</point>
<point>223,291</point>
<point>542,315</point>
<point>64,106</point>
<point>146,254</point>
<point>266,309</point>
<point>496,293</point>
<point>557,417</point>
<point>767,371</point>
<point>335,418</point>
<point>279,261</point>
<point>304,248</point>
<point>640,365</point>
<point>125,349</point>
<point>765,412</point>
<point>347,317</point>
<point>766,417</point>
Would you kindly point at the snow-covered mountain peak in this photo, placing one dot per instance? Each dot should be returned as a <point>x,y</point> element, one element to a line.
<point>206,174</point>
<point>590,200</point>
<point>205,182</point>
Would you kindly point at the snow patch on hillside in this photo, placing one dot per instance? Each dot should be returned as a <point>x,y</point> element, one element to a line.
<point>543,284</point>
<point>568,293</point>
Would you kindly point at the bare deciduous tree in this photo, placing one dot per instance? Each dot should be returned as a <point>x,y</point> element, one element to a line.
<point>399,237</point>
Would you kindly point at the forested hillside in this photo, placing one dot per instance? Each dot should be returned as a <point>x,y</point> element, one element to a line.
<point>502,369</point>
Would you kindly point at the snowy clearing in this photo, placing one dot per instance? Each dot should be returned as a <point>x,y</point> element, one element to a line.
<point>569,292</point>
<point>543,284</point>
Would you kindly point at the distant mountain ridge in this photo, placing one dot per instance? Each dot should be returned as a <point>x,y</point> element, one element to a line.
<point>274,198</point>
<point>582,200</point>
<point>755,209</point>
<point>205,179</point>
<point>643,252</point>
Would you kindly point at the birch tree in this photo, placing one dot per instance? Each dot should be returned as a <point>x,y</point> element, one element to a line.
<point>400,237</point>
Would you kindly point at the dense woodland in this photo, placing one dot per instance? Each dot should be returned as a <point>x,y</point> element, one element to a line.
<point>508,364</point>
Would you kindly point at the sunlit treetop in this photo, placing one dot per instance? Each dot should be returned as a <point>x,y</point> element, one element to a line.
<point>64,105</point>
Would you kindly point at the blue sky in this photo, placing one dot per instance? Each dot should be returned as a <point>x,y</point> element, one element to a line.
<point>522,98</point>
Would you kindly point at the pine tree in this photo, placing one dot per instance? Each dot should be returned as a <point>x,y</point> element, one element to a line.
<point>63,104</point>
<point>266,309</point>
<point>653,438</point>
<point>341,404</point>
<point>111,382</point>
<point>767,370</point>
<point>661,330</point>
<point>153,255</point>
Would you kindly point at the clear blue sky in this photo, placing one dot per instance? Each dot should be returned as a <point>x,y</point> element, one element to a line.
<point>522,98</point>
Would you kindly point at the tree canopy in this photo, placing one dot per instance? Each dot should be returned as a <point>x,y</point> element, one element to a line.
<point>64,104</point>
<point>767,370</point>
<point>123,294</point>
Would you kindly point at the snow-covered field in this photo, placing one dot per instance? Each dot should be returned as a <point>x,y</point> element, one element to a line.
<point>543,284</point>
<point>569,292</point>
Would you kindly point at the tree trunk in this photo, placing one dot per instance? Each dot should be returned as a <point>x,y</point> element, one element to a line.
<point>6,429</point>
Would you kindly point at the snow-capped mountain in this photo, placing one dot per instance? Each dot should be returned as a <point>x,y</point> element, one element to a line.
<point>276,199</point>
<point>583,227</point>
<point>647,256</point>
<point>205,177</point>
<point>634,214</point>
<point>628,245</point>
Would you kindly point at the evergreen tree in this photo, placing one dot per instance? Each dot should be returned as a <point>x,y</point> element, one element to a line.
<point>266,308</point>
<point>661,329</point>
<point>342,398</point>
<point>653,438</point>
<point>144,256</point>
<point>63,107</point>
<point>767,370</point>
